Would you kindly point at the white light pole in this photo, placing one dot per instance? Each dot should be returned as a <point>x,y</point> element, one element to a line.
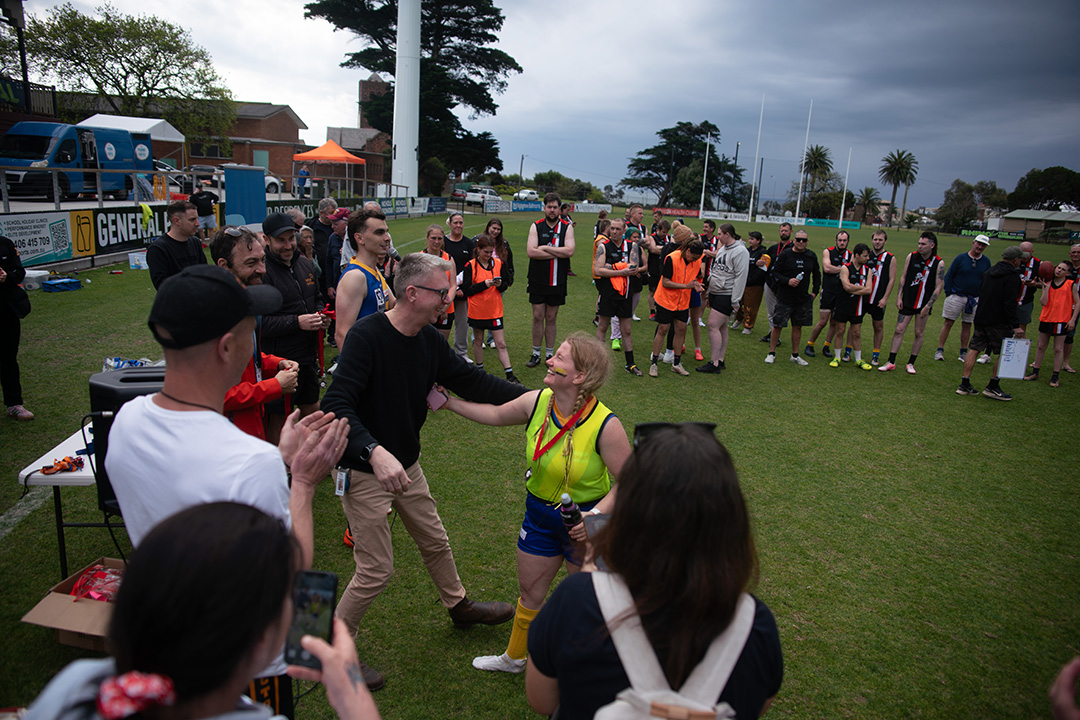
<point>406,160</point>
<point>802,161</point>
<point>705,173</point>
<point>757,152</point>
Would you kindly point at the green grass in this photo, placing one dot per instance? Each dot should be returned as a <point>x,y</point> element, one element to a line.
<point>917,548</point>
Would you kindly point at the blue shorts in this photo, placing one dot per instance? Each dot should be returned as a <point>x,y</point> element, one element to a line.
<point>543,533</point>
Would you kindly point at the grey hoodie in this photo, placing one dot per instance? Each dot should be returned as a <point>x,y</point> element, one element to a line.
<point>729,271</point>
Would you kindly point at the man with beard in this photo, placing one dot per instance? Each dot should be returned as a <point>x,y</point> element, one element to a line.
<point>549,247</point>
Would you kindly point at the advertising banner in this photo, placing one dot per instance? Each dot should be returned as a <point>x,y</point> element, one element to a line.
<point>437,204</point>
<point>678,212</point>
<point>122,229</point>
<point>497,206</point>
<point>527,206</point>
<point>718,215</point>
<point>777,219</point>
<point>589,207</point>
<point>39,237</point>
<point>825,222</point>
<point>1016,235</point>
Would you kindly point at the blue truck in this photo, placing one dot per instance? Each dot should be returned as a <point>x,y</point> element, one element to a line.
<point>77,149</point>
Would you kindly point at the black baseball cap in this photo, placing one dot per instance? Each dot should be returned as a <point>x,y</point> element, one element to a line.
<point>277,223</point>
<point>203,302</point>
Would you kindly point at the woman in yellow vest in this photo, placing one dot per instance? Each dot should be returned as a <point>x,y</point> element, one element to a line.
<point>574,445</point>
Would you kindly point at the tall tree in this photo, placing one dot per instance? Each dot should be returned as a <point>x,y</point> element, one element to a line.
<point>1046,189</point>
<point>897,168</point>
<point>134,65</point>
<point>868,199</point>
<point>657,168</point>
<point>458,67</point>
<point>958,209</point>
<point>817,165</point>
<point>990,195</point>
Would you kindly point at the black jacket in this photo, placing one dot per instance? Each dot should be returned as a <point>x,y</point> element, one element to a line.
<point>997,297</point>
<point>299,288</point>
<point>12,296</point>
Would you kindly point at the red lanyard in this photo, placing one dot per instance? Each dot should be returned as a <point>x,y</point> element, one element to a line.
<point>538,453</point>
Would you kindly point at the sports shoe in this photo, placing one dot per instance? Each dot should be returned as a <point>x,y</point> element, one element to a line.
<point>330,370</point>
<point>596,321</point>
<point>996,393</point>
<point>679,369</point>
<point>747,331</point>
<point>490,343</point>
<point>372,677</point>
<point>467,613</point>
<point>697,354</point>
<point>910,369</point>
<point>765,338</point>
<point>939,354</point>
<point>534,360</point>
<point>652,316</point>
<point>835,362</point>
<point>635,318</point>
<point>983,359</point>
<point>18,412</point>
<point>734,324</point>
<point>701,322</point>
<point>1034,375</point>
<point>770,358</point>
<point>347,539</point>
<point>808,351</point>
<point>468,359</point>
<point>864,365</point>
<point>512,378</point>
<point>499,663</point>
<point>798,360</point>
<point>708,368</point>
<point>826,352</point>
<point>966,389</point>
<point>887,367</point>
<point>847,355</point>
<point>634,370</point>
<point>616,344</point>
<point>962,356</point>
<point>875,359</point>
<point>669,357</point>
<point>654,371</point>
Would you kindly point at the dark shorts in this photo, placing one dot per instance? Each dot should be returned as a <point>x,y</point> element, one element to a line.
<point>910,311</point>
<point>800,315</point>
<point>615,306</point>
<point>988,338</point>
<point>876,313</point>
<point>654,282</point>
<point>828,299</point>
<point>721,304</point>
<point>491,324</point>
<point>839,316</point>
<point>695,299</point>
<point>552,298</point>
<point>542,531</point>
<point>1024,311</point>
<point>1053,329</point>
<point>636,283</point>
<point>307,391</point>
<point>666,317</point>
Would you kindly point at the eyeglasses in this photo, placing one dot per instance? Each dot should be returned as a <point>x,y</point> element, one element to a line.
<point>442,293</point>
<point>643,430</point>
<point>802,239</point>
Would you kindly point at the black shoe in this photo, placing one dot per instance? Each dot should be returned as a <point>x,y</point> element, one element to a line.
<point>467,613</point>
<point>996,393</point>
<point>708,368</point>
<point>966,389</point>
<point>765,338</point>
<point>808,351</point>
<point>533,361</point>
<point>512,378</point>
<point>372,677</point>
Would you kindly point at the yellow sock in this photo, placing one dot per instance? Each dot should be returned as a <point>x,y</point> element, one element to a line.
<point>517,648</point>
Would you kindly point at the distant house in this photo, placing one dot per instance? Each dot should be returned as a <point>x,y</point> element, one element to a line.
<point>1034,222</point>
<point>363,140</point>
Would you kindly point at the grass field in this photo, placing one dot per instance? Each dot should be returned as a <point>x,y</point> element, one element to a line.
<point>919,549</point>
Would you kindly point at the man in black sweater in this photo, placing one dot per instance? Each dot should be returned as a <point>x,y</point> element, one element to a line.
<point>393,360</point>
<point>997,317</point>
<point>179,247</point>
<point>793,271</point>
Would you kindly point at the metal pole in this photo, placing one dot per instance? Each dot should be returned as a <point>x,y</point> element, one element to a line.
<point>802,161</point>
<point>757,154</point>
<point>843,197</point>
<point>521,173</point>
<point>406,136</point>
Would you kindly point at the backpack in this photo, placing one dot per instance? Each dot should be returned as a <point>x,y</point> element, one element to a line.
<point>649,694</point>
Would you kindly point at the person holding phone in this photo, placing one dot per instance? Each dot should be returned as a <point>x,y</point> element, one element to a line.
<point>679,514</point>
<point>574,444</point>
<point>218,578</point>
<point>483,285</point>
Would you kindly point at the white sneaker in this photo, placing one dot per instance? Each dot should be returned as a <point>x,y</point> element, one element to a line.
<point>701,322</point>
<point>798,360</point>
<point>983,359</point>
<point>499,663</point>
<point>330,370</point>
<point>747,331</point>
<point>770,359</point>
<point>939,354</point>
<point>669,357</point>
<point>636,318</point>
<point>654,371</point>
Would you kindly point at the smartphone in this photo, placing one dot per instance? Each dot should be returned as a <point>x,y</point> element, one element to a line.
<point>314,598</point>
<point>435,399</point>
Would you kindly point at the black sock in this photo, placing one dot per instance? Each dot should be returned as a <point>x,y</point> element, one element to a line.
<point>629,357</point>
<point>653,359</point>
<point>678,359</point>
<point>994,383</point>
<point>892,358</point>
<point>479,366</point>
<point>911,359</point>
<point>1053,376</point>
<point>509,370</point>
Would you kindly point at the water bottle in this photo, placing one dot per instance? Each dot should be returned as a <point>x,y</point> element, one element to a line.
<point>800,276</point>
<point>571,513</point>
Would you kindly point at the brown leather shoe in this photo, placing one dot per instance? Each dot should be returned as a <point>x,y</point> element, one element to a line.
<point>467,613</point>
<point>372,677</point>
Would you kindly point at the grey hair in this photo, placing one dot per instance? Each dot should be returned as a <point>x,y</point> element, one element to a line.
<point>327,205</point>
<point>415,266</point>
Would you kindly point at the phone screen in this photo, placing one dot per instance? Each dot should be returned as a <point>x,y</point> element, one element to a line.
<point>314,597</point>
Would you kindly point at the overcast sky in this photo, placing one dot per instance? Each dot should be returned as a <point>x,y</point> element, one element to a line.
<point>978,91</point>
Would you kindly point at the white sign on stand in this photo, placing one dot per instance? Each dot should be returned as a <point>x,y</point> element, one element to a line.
<point>1014,356</point>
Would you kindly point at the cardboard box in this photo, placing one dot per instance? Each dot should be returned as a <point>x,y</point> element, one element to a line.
<point>81,622</point>
<point>34,278</point>
<point>137,260</point>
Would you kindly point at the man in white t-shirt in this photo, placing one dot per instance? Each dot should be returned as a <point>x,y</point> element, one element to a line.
<point>175,449</point>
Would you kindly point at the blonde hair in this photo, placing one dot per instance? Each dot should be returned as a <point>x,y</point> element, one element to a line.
<point>590,356</point>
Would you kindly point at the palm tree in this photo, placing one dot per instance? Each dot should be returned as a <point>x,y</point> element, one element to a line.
<point>869,199</point>
<point>816,166</point>
<point>898,168</point>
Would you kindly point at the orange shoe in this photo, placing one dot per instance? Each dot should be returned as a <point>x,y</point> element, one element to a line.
<point>348,537</point>
<point>698,355</point>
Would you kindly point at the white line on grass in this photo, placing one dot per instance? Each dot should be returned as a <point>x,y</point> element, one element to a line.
<point>26,505</point>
